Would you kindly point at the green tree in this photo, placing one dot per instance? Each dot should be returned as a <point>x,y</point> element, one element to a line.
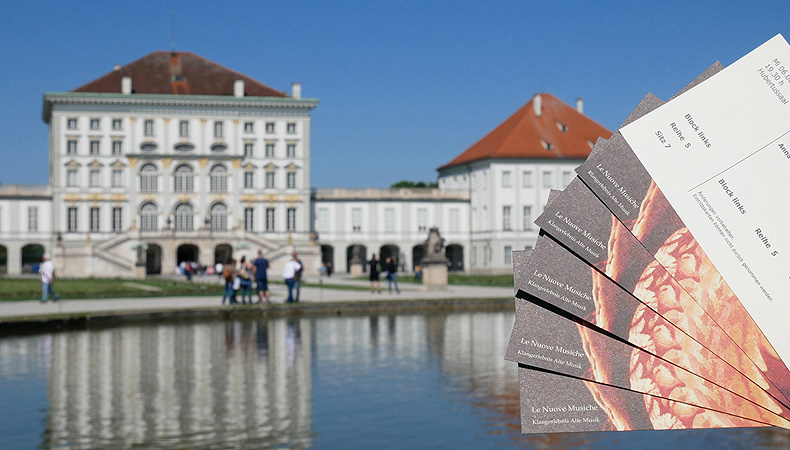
<point>413,184</point>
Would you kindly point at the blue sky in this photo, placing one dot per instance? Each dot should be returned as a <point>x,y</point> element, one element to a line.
<point>404,87</point>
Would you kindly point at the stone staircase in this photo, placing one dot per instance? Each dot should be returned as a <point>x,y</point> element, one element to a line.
<point>111,251</point>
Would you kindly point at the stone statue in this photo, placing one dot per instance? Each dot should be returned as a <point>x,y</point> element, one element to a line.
<point>356,255</point>
<point>434,246</point>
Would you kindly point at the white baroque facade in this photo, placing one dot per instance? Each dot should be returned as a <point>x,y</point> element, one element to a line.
<point>390,222</point>
<point>510,172</point>
<point>174,158</point>
<point>177,177</point>
<point>25,227</point>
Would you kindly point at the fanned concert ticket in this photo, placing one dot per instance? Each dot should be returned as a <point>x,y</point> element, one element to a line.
<point>663,282</point>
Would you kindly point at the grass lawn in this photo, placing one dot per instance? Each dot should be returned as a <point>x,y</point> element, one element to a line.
<point>88,288</point>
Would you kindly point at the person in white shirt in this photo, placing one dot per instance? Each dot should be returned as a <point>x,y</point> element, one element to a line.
<point>47,272</point>
<point>290,272</point>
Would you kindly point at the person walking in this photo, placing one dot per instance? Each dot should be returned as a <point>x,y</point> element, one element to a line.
<point>392,277</point>
<point>245,274</point>
<point>229,274</point>
<point>260,266</point>
<point>375,269</point>
<point>298,277</point>
<point>289,272</point>
<point>47,271</point>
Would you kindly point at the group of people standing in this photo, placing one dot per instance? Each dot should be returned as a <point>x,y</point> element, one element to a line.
<point>239,279</point>
<point>390,269</point>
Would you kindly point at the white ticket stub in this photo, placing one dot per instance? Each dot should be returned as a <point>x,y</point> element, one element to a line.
<point>720,153</point>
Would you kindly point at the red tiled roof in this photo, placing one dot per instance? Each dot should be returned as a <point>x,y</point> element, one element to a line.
<point>180,73</point>
<point>525,135</point>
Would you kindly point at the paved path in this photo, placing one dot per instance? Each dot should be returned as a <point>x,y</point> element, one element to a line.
<point>30,309</point>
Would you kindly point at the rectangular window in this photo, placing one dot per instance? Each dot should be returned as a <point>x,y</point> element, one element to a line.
<point>269,219</point>
<point>117,223</point>
<point>94,124</point>
<point>71,124</point>
<point>291,222</point>
<point>249,127</point>
<point>71,147</point>
<point>389,220</point>
<point>248,179</point>
<point>291,128</point>
<point>508,255</point>
<point>32,218</point>
<point>116,178</point>
<point>527,217</point>
<point>248,149</point>
<point>506,218</point>
<point>95,147</point>
<point>270,180</point>
<point>71,216</point>
<point>117,124</point>
<point>249,214</point>
<point>291,180</point>
<point>269,127</point>
<point>94,218</point>
<point>422,220</point>
<point>566,179</point>
<point>506,183</point>
<point>290,151</point>
<point>270,150</point>
<point>547,181</point>
<point>183,129</point>
<point>323,220</point>
<point>117,147</point>
<point>455,220</point>
<point>356,220</point>
<point>93,180</point>
<point>71,178</point>
<point>526,179</point>
<point>217,129</point>
<point>148,127</point>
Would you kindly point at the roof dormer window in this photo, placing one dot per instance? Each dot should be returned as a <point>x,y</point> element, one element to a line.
<point>547,145</point>
<point>562,127</point>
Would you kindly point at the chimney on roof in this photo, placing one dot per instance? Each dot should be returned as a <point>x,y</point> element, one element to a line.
<point>580,105</point>
<point>238,88</point>
<point>537,105</point>
<point>126,85</point>
<point>116,67</point>
<point>296,90</point>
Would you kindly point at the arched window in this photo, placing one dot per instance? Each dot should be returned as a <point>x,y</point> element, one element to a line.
<point>219,217</point>
<point>148,178</point>
<point>184,218</point>
<point>219,179</point>
<point>182,182</point>
<point>148,217</point>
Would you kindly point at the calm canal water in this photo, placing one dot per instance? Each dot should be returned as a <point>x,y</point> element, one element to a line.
<point>402,381</point>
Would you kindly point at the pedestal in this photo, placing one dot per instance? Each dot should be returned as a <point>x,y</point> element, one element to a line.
<point>434,275</point>
<point>357,269</point>
<point>139,272</point>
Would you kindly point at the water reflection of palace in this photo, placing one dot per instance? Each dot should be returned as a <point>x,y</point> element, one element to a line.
<point>468,347</point>
<point>248,383</point>
<point>181,385</point>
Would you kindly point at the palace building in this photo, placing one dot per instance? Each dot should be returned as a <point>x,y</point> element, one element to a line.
<point>175,158</point>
